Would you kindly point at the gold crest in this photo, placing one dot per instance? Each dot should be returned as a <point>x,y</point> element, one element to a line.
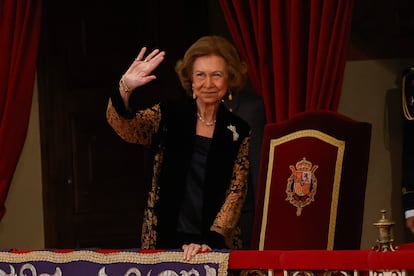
<point>301,185</point>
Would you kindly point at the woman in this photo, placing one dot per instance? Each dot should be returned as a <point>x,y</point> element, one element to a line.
<point>201,165</point>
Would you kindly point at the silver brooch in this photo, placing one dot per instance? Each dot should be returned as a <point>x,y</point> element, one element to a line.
<point>234,131</point>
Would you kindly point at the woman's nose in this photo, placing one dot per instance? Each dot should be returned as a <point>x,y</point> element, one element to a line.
<point>209,81</point>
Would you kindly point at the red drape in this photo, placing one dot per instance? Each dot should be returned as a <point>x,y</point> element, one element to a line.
<point>295,50</point>
<point>19,36</point>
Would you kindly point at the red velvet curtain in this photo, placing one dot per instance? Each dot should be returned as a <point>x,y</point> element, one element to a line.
<point>295,50</point>
<point>19,36</point>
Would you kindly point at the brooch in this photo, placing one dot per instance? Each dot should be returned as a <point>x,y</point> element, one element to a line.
<point>234,131</point>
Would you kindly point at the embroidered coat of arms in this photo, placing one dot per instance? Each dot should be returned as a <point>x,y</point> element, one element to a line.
<point>301,185</point>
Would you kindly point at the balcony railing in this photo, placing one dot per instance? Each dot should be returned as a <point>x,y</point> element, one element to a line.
<point>247,262</point>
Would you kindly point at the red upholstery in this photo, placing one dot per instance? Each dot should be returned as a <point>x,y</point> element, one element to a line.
<point>359,260</point>
<point>312,183</point>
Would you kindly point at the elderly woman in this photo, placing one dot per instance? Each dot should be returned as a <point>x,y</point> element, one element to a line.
<point>200,166</point>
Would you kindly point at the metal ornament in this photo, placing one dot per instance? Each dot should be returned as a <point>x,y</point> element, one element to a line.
<point>385,239</point>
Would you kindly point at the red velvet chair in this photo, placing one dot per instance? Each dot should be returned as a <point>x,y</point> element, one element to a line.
<point>312,181</point>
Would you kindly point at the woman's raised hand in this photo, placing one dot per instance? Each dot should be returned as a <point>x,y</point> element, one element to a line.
<point>139,72</point>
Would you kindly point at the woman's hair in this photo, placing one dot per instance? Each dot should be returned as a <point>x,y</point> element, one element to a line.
<point>212,45</point>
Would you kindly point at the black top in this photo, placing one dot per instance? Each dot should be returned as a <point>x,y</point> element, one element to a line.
<point>190,217</point>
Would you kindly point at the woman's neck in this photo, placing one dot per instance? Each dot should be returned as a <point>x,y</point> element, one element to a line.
<point>206,119</point>
<point>207,113</point>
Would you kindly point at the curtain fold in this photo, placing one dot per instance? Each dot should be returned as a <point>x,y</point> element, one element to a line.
<point>295,50</point>
<point>19,37</point>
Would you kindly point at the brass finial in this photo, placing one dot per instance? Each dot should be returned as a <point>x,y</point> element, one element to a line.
<point>385,239</point>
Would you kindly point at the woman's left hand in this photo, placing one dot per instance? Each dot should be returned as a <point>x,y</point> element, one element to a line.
<point>190,250</point>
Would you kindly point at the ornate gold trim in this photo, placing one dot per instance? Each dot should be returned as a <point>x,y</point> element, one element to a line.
<point>220,258</point>
<point>336,186</point>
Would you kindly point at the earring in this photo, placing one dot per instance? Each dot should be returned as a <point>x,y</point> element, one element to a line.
<point>194,95</point>
<point>230,96</point>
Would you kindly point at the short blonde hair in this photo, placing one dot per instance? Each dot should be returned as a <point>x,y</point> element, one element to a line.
<point>212,45</point>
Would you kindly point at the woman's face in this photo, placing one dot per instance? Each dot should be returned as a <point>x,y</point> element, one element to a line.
<point>210,79</point>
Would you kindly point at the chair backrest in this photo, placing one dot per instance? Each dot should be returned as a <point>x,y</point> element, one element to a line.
<point>312,181</point>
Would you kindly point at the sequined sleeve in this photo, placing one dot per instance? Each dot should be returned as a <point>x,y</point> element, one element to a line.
<point>226,220</point>
<point>137,130</point>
